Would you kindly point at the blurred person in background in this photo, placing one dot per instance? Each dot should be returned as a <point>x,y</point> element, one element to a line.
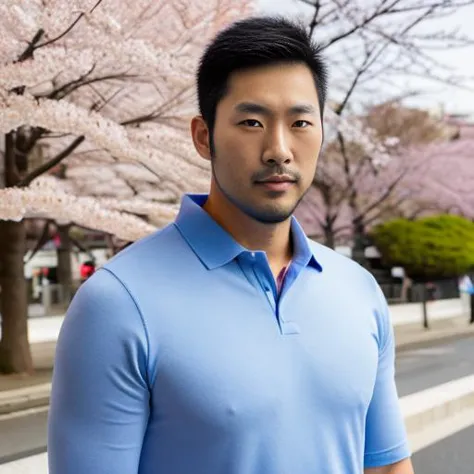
<point>87,269</point>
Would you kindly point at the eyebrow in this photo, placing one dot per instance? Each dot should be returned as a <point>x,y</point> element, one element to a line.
<point>254,108</point>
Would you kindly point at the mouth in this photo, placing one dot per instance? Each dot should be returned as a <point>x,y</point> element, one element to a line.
<point>277,183</point>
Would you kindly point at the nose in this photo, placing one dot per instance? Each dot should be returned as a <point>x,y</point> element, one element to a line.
<point>277,148</point>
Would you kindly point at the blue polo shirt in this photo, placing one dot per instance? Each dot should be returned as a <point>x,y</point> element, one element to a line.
<point>180,357</point>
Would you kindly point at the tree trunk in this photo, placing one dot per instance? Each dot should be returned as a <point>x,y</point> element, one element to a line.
<point>15,355</point>
<point>329,239</point>
<point>359,245</point>
<point>359,237</point>
<point>64,262</point>
<point>326,192</point>
<point>111,245</point>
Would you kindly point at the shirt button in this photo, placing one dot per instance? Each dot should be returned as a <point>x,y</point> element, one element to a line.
<point>253,254</point>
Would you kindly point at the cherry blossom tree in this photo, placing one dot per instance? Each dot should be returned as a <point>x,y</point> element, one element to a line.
<point>104,86</point>
<point>369,44</point>
<point>431,172</point>
<point>446,183</point>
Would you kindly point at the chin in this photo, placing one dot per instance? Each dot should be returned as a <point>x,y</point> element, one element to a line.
<point>262,209</point>
<point>272,220</point>
<point>269,214</point>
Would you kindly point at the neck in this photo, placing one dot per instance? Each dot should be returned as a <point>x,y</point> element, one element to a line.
<point>273,239</point>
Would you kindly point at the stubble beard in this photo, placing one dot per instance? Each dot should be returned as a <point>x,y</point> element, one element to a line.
<point>268,216</point>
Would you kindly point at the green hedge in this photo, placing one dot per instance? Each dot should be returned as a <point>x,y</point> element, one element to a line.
<point>430,248</point>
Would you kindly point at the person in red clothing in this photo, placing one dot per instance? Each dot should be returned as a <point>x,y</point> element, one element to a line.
<point>87,269</point>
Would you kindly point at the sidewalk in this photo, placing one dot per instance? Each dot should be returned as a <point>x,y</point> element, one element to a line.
<point>18,392</point>
<point>413,336</point>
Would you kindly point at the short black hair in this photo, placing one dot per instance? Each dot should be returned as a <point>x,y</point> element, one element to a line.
<point>250,43</point>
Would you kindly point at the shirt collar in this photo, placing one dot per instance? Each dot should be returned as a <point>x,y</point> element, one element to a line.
<point>216,247</point>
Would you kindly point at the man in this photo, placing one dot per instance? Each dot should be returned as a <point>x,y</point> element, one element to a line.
<point>223,344</point>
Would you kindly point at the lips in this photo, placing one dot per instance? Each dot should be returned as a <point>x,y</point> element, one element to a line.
<point>277,183</point>
<point>277,179</point>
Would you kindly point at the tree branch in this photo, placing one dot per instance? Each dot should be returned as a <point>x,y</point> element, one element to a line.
<point>314,21</point>
<point>384,10</point>
<point>70,87</point>
<point>359,26</point>
<point>384,196</point>
<point>158,112</point>
<point>11,170</point>
<point>342,228</point>
<point>51,163</point>
<point>81,247</point>
<point>41,241</point>
<point>371,56</point>
<point>97,107</point>
<point>28,53</point>
<point>74,23</point>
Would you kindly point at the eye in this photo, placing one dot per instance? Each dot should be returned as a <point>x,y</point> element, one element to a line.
<point>251,123</point>
<point>302,124</point>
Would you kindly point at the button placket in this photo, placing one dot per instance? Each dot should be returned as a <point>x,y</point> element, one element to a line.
<point>287,326</point>
<point>270,290</point>
<point>266,288</point>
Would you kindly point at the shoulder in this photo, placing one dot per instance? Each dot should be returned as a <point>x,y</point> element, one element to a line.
<point>144,270</point>
<point>102,318</point>
<point>358,284</point>
<point>110,290</point>
<point>339,266</point>
<point>102,298</point>
<point>152,246</point>
<point>150,258</point>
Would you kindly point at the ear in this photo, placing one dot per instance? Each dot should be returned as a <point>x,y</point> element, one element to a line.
<point>201,137</point>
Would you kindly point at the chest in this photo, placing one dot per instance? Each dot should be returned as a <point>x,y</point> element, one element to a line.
<point>228,362</point>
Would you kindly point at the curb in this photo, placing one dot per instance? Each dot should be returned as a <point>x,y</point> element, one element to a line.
<point>24,398</point>
<point>433,405</point>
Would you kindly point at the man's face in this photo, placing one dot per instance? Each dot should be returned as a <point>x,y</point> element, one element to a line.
<point>267,139</point>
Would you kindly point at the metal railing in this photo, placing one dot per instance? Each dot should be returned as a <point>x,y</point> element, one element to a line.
<point>436,290</point>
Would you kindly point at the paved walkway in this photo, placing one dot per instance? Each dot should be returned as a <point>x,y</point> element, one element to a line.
<point>412,336</point>
<point>43,354</point>
<point>32,465</point>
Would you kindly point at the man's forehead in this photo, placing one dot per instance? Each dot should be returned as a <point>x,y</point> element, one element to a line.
<point>288,80</point>
<point>269,71</point>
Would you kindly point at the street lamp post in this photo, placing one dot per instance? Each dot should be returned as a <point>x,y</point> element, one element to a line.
<point>472,309</point>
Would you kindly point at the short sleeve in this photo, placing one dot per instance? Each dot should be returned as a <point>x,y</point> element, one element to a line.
<point>100,397</point>
<point>385,440</point>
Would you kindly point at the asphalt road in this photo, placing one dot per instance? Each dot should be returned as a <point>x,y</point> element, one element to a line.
<point>454,454</point>
<point>22,436</point>
<point>424,368</point>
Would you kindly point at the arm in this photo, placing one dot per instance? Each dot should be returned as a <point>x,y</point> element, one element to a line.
<point>386,446</point>
<point>100,397</point>
<point>403,467</point>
